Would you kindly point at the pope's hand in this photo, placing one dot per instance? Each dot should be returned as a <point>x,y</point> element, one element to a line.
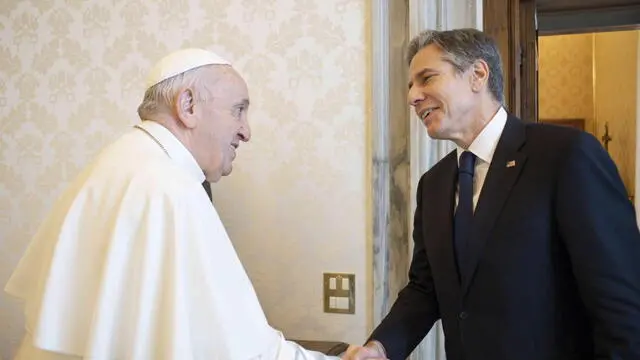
<point>371,351</point>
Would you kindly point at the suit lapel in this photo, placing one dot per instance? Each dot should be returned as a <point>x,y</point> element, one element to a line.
<point>506,165</point>
<point>438,217</point>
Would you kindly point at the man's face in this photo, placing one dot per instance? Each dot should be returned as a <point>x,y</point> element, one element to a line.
<point>222,122</point>
<point>441,96</point>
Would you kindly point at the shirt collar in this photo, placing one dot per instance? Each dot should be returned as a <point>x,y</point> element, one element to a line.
<point>175,149</point>
<point>484,145</point>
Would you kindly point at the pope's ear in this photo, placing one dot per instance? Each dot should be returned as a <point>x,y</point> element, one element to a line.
<point>184,107</point>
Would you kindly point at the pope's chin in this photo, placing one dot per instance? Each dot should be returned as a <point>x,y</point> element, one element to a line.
<point>227,166</point>
<point>214,176</point>
<point>227,170</point>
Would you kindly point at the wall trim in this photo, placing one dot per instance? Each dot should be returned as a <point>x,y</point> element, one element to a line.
<point>390,153</point>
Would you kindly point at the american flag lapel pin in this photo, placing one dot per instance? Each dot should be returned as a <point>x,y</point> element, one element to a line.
<point>511,163</point>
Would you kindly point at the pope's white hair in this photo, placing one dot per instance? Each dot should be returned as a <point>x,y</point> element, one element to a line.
<point>161,97</point>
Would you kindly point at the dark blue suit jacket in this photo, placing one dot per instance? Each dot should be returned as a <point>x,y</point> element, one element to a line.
<point>555,257</point>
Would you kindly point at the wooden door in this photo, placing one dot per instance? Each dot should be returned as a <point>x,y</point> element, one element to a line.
<point>529,61</point>
<point>513,25</point>
<point>516,24</point>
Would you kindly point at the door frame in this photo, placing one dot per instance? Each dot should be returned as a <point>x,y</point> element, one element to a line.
<point>501,20</point>
<point>516,25</point>
<point>606,18</point>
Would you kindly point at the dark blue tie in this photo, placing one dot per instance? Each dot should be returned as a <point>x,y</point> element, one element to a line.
<point>464,211</point>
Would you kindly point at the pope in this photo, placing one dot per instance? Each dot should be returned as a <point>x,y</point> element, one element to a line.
<point>133,262</point>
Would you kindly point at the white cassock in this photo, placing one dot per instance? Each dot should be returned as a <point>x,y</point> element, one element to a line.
<point>133,263</point>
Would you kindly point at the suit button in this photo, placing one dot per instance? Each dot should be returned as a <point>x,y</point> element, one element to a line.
<point>463,315</point>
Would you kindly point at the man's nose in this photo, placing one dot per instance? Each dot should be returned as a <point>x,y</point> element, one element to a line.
<point>245,133</point>
<point>415,96</point>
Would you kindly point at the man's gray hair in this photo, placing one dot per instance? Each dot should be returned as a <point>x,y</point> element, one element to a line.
<point>461,48</point>
<point>161,96</point>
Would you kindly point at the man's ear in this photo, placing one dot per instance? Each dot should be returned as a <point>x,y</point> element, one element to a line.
<point>184,108</point>
<point>479,75</point>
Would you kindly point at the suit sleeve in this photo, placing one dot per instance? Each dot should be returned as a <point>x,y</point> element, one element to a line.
<point>416,308</point>
<point>598,225</point>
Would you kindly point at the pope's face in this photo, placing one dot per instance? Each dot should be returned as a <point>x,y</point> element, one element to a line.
<point>222,122</point>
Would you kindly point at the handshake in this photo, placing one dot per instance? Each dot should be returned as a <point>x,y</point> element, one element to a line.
<point>373,350</point>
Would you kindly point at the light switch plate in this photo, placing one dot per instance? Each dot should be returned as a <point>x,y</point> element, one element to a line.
<point>338,294</point>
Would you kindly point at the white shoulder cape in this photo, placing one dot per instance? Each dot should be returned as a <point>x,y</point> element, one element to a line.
<point>133,263</point>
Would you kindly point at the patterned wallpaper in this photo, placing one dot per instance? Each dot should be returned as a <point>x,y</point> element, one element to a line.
<point>565,78</point>
<point>71,75</point>
<point>573,67</point>
<point>616,64</point>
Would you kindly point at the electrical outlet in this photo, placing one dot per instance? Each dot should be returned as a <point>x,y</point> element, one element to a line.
<point>339,293</point>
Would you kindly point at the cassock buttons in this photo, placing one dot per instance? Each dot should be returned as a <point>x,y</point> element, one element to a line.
<point>463,315</point>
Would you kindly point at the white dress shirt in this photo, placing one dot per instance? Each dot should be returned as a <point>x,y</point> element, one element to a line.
<point>483,147</point>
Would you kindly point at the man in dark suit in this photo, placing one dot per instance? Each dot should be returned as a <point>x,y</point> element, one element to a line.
<point>525,242</point>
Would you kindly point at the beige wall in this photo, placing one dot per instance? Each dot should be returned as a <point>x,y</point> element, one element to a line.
<point>565,78</point>
<point>616,64</point>
<point>296,205</point>
<point>593,76</point>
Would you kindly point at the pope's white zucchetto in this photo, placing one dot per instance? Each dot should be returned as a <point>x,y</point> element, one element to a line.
<point>181,61</point>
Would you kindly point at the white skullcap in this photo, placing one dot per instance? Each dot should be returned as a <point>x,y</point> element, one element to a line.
<point>181,61</point>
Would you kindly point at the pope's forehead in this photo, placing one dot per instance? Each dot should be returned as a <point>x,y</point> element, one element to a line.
<point>226,79</point>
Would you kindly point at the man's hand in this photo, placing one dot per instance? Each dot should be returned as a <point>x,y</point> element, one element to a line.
<point>371,351</point>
